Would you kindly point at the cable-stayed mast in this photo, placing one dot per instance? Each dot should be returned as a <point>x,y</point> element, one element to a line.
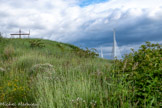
<point>101,53</point>
<point>115,49</point>
<point>114,45</point>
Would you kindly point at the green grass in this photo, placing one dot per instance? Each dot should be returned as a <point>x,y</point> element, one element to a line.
<point>74,81</point>
<point>74,77</point>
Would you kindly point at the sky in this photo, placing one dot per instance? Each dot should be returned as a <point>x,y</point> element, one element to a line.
<point>85,23</point>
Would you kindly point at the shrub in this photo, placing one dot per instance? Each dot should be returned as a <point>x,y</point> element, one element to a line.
<point>36,43</point>
<point>85,53</point>
<point>143,69</point>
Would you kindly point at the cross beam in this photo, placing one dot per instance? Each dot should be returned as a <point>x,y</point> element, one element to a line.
<point>20,34</point>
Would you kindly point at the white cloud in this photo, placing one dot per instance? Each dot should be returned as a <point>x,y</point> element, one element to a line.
<point>66,21</point>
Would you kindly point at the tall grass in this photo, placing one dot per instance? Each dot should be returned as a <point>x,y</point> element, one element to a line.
<point>74,81</point>
<point>81,86</point>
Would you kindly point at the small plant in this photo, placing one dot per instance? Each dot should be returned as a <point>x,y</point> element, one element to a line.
<point>36,43</point>
<point>79,102</point>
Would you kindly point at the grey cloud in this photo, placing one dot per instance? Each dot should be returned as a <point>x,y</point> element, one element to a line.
<point>128,30</point>
<point>89,26</point>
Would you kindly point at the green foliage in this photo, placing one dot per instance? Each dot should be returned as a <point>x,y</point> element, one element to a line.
<point>85,53</point>
<point>14,88</point>
<point>1,37</point>
<point>8,52</point>
<point>36,43</point>
<point>60,46</point>
<point>27,61</point>
<point>2,71</point>
<point>143,70</point>
<point>71,46</point>
<point>76,79</point>
<point>2,44</point>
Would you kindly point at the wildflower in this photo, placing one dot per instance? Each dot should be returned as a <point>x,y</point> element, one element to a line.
<point>16,80</point>
<point>2,70</point>
<point>77,98</point>
<point>15,85</point>
<point>14,89</point>
<point>9,84</point>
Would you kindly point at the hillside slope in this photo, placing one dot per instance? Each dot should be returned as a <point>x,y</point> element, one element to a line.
<point>50,74</point>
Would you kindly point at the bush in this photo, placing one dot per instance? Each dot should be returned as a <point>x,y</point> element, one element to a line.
<point>85,53</point>
<point>36,43</point>
<point>143,69</point>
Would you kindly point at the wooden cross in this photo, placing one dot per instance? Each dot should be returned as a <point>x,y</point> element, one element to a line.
<point>21,33</point>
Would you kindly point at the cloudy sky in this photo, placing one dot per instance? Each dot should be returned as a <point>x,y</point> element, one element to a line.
<point>85,23</point>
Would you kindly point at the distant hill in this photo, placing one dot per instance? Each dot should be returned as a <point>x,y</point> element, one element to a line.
<point>40,46</point>
<point>25,44</point>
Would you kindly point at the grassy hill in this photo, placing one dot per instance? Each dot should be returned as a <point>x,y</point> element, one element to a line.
<point>52,75</point>
<point>49,74</point>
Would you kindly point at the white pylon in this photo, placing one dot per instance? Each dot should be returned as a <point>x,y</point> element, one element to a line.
<point>101,53</point>
<point>115,49</point>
